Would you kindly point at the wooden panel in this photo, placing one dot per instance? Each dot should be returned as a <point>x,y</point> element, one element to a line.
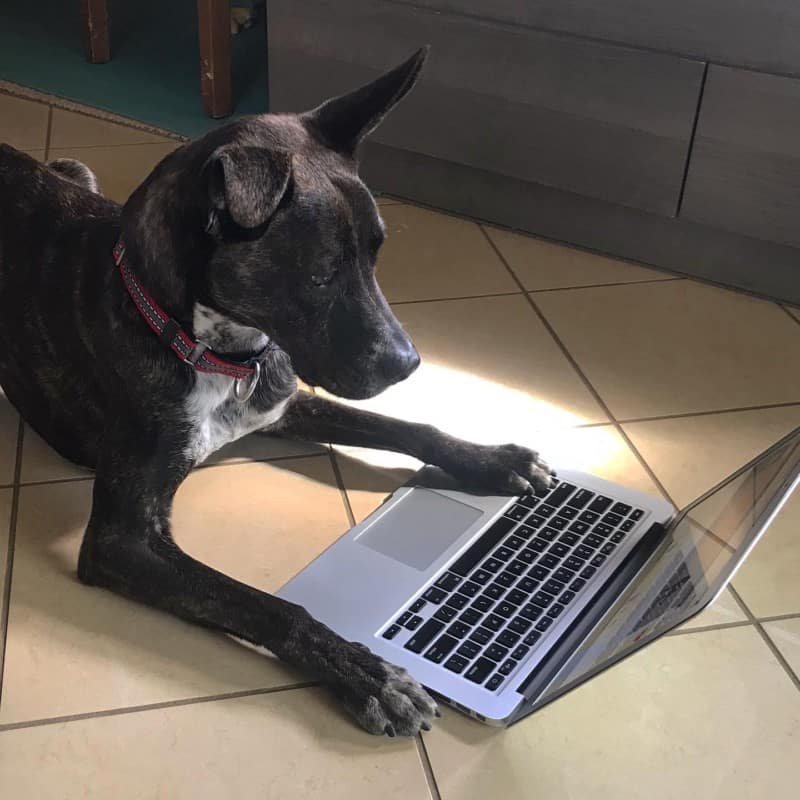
<point>674,244</point>
<point>744,173</point>
<point>761,34</point>
<point>605,121</point>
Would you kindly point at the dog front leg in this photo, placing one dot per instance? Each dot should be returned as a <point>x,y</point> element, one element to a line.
<point>505,468</point>
<point>128,548</point>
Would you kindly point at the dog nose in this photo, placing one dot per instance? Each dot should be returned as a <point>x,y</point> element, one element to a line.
<point>404,360</point>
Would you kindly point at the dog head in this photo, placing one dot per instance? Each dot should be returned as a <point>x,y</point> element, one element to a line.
<point>292,234</point>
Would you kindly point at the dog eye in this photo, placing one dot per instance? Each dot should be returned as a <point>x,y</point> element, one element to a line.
<point>323,280</point>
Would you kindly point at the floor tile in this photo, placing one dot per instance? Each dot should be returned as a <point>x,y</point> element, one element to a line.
<point>259,447</point>
<point>9,428</point>
<point>23,123</point>
<point>768,580</point>
<point>540,264</point>
<point>490,373</point>
<point>70,129</point>
<point>41,463</point>
<point>5,524</point>
<point>260,523</point>
<point>660,725</point>
<point>673,347</point>
<point>690,455</point>
<point>73,649</point>
<point>369,475</point>
<point>286,745</point>
<point>428,255</point>
<point>785,634</point>
<point>119,169</point>
<point>723,610</point>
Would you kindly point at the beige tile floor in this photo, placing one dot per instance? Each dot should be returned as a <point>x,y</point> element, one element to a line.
<point>662,383</point>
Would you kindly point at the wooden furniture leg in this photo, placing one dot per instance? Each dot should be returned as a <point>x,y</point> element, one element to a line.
<point>214,24</point>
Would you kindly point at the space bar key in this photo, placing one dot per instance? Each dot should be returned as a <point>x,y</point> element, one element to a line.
<point>419,641</point>
<point>467,562</point>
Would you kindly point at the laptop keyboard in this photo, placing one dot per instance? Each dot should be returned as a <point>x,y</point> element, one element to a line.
<point>492,605</point>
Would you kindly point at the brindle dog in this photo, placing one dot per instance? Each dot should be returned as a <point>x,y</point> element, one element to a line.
<point>260,240</point>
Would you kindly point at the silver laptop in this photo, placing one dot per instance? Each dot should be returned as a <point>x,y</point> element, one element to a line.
<point>499,605</point>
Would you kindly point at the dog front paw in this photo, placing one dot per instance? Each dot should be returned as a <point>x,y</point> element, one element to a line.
<point>382,697</point>
<point>506,468</point>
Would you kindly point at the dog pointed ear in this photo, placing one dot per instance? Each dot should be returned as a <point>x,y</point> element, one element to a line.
<point>345,121</point>
<point>247,182</point>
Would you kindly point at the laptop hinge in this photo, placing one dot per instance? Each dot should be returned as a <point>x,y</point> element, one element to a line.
<point>547,669</point>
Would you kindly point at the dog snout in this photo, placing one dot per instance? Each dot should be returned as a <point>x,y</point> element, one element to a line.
<point>401,362</point>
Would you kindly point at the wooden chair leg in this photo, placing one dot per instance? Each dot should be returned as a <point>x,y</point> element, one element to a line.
<point>214,24</point>
<point>96,41</point>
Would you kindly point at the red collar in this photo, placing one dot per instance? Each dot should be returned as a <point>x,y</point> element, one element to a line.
<point>188,350</point>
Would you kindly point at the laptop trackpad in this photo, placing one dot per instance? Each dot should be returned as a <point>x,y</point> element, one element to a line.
<point>418,529</point>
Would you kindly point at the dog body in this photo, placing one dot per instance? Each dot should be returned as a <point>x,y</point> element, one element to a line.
<point>261,241</point>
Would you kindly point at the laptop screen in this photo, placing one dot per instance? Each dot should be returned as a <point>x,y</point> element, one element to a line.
<point>699,553</point>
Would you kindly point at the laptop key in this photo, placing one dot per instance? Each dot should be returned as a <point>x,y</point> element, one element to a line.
<point>517,567</point>
<point>627,525</point>
<point>470,589</point>
<point>517,512</point>
<point>600,503</point>
<point>568,512</point>
<point>520,652</point>
<point>588,571</point>
<point>519,625</point>
<point>622,508</point>
<point>617,537</point>
<point>482,603</point>
<point>505,609</point>
<point>601,529</point>
<point>555,610</point>
<point>612,519</point>
<point>403,618</point>
<point>582,551</point>
<point>563,575</point>
<point>492,565</point>
<point>532,638</point>
<point>598,560</point>
<point>434,595</point>
<point>569,538</point>
<point>543,624</point>
<point>494,591</point>
<point>579,527</point>
<point>457,601</point>
<point>525,532</point>
<point>456,663</point>
<point>391,631</point>
<point>480,576</point>
<point>542,599</point>
<point>553,586</point>
<point>535,522</point>
<point>445,614</point>
<point>507,638</point>
<point>469,649</point>
<point>589,516</point>
<point>414,622</point>
<point>530,611</point>
<point>514,542</point>
<point>548,534</point>
<point>503,553</point>
<point>528,556</point>
<point>593,540</point>
<point>470,617</point>
<point>560,549</point>
<point>549,561</point>
<point>507,667</point>
<point>496,652</point>
<point>527,585</point>
<point>560,495</point>
<point>481,636</point>
<point>536,546</point>
<point>566,597</point>
<point>458,629</point>
<point>423,637</point>
<point>580,498</point>
<point>608,548</point>
<point>538,573</point>
<point>448,581</point>
<point>517,597</point>
<point>506,578</point>
<point>545,510</point>
<point>480,670</point>
<point>528,500</point>
<point>417,605</point>
<point>636,514</point>
<point>577,584</point>
<point>494,623</point>
<point>441,648</point>
<point>476,552</point>
<point>559,523</point>
<point>574,563</point>
<point>494,682</point>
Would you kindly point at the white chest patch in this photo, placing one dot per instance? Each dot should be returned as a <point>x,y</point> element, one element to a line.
<point>215,417</point>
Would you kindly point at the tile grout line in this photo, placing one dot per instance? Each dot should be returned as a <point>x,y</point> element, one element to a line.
<point>773,648</point>
<point>188,701</point>
<point>610,284</point>
<point>49,134</point>
<point>579,372</point>
<point>686,414</point>
<point>12,535</point>
<point>342,490</point>
<point>720,626</point>
<point>427,768</point>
